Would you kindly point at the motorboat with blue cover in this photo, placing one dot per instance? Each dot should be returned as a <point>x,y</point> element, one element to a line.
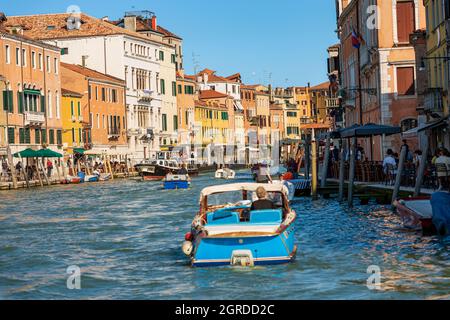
<point>227,232</point>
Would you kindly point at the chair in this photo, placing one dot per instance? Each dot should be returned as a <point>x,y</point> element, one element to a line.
<point>222,217</point>
<point>266,216</point>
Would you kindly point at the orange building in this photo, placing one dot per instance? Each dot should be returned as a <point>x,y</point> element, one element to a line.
<point>31,92</point>
<point>103,107</point>
<point>186,97</point>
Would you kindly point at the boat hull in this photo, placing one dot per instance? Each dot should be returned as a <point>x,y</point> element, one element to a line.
<point>265,250</point>
<point>414,219</point>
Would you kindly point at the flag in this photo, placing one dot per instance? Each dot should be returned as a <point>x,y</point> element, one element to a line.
<point>357,39</point>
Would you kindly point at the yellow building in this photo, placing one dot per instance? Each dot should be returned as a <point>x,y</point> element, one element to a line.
<point>436,65</point>
<point>72,120</point>
<point>212,120</point>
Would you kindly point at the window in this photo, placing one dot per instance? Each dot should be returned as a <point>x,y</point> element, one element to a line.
<point>175,123</point>
<point>51,136</point>
<point>180,89</point>
<point>71,109</point>
<point>47,61</point>
<point>98,121</point>
<point>40,61</point>
<point>172,58</point>
<point>174,88</point>
<point>73,135</point>
<point>162,86</point>
<point>24,57</point>
<point>164,122</point>
<point>17,56</point>
<point>58,109</point>
<point>114,95</point>
<point>33,59</point>
<point>79,108</point>
<point>55,65</point>
<point>44,135</point>
<point>49,104</point>
<point>59,137</point>
<point>11,136</point>
<point>80,135</point>
<point>405,81</point>
<point>8,54</point>
<point>405,20</point>
<point>189,89</point>
<point>103,94</point>
<point>292,114</point>
<point>161,55</point>
<point>408,124</point>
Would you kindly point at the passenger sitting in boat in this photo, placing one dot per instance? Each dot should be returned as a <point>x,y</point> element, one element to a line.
<point>262,203</point>
<point>183,169</point>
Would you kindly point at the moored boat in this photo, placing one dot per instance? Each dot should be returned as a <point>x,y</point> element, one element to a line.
<point>228,232</point>
<point>156,170</point>
<point>416,213</point>
<point>176,181</point>
<point>225,173</point>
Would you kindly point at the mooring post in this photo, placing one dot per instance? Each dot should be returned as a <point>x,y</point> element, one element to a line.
<point>341,172</point>
<point>11,167</point>
<point>326,159</point>
<point>314,168</point>
<point>351,178</point>
<point>398,177</point>
<point>422,166</point>
<point>307,158</point>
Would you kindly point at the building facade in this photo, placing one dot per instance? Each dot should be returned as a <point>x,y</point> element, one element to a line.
<point>72,120</point>
<point>31,92</point>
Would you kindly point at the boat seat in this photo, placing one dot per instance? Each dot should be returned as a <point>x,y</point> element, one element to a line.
<point>222,217</point>
<point>266,216</point>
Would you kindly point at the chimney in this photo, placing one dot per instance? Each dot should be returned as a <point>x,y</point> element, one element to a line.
<point>105,18</point>
<point>154,24</point>
<point>205,78</point>
<point>130,23</point>
<point>83,61</point>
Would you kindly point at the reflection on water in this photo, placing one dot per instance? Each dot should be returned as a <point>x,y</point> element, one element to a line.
<point>126,236</point>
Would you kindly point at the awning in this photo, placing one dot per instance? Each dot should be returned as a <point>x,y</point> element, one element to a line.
<point>434,125</point>
<point>79,150</point>
<point>411,133</point>
<point>47,153</point>
<point>27,153</point>
<point>238,106</point>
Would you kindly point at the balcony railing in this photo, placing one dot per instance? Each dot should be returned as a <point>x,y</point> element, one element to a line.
<point>145,95</point>
<point>34,118</point>
<point>332,102</point>
<point>433,100</point>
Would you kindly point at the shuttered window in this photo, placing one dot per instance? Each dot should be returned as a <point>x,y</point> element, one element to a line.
<point>11,136</point>
<point>8,101</point>
<point>51,135</point>
<point>44,135</point>
<point>164,122</point>
<point>59,137</point>
<point>405,81</point>
<point>27,136</point>
<point>37,136</point>
<point>405,20</point>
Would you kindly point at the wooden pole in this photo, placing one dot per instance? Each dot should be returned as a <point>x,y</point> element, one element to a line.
<point>73,167</point>
<point>39,173</point>
<point>398,178</point>
<point>57,170</point>
<point>315,175</point>
<point>351,178</point>
<point>341,172</point>
<point>422,167</point>
<point>25,174</point>
<point>11,167</point>
<point>307,158</point>
<point>43,171</point>
<point>326,159</point>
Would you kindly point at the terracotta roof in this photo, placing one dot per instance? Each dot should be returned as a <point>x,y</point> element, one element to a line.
<point>146,25</point>
<point>322,86</point>
<point>205,104</point>
<point>236,76</point>
<point>211,94</point>
<point>54,26</point>
<point>167,33</point>
<point>212,77</point>
<point>66,92</point>
<point>92,73</point>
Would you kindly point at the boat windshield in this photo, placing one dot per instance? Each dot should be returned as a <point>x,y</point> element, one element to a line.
<point>236,198</point>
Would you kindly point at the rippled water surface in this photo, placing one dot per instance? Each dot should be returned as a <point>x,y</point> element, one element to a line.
<point>126,237</point>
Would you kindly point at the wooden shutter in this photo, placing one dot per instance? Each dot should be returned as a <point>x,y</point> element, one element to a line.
<point>405,20</point>
<point>405,81</point>
<point>10,101</point>
<point>11,136</point>
<point>5,101</point>
<point>20,101</point>
<point>43,104</point>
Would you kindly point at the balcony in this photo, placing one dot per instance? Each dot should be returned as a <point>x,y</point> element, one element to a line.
<point>34,118</point>
<point>332,102</point>
<point>145,95</point>
<point>434,101</point>
<point>113,133</point>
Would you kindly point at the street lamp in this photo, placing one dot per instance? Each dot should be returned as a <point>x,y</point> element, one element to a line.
<point>422,61</point>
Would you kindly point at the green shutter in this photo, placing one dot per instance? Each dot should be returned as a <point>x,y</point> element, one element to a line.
<point>27,136</point>
<point>51,134</point>
<point>44,135</point>
<point>59,137</point>
<point>5,101</point>
<point>175,123</point>
<point>174,88</point>
<point>11,137</point>
<point>21,136</point>
<point>20,101</point>
<point>43,104</point>
<point>37,136</point>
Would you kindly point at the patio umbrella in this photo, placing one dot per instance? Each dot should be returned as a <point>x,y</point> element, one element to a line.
<point>27,153</point>
<point>369,130</point>
<point>47,153</point>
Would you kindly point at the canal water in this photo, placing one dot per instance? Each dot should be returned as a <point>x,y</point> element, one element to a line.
<point>125,237</point>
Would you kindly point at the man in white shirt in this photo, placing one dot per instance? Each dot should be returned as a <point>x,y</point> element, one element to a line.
<point>443,174</point>
<point>389,160</point>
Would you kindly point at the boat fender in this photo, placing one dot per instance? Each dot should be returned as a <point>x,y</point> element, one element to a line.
<point>188,236</point>
<point>187,248</point>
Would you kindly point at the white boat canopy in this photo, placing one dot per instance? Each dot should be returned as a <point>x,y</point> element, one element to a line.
<point>243,187</point>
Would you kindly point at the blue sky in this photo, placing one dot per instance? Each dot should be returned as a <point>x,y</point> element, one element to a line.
<point>283,41</point>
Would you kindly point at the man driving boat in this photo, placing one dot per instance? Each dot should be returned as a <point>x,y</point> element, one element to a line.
<point>262,203</point>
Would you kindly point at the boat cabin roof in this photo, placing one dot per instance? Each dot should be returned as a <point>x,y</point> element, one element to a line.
<point>243,187</point>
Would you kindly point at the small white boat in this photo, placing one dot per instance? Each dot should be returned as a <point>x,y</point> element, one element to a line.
<point>225,174</point>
